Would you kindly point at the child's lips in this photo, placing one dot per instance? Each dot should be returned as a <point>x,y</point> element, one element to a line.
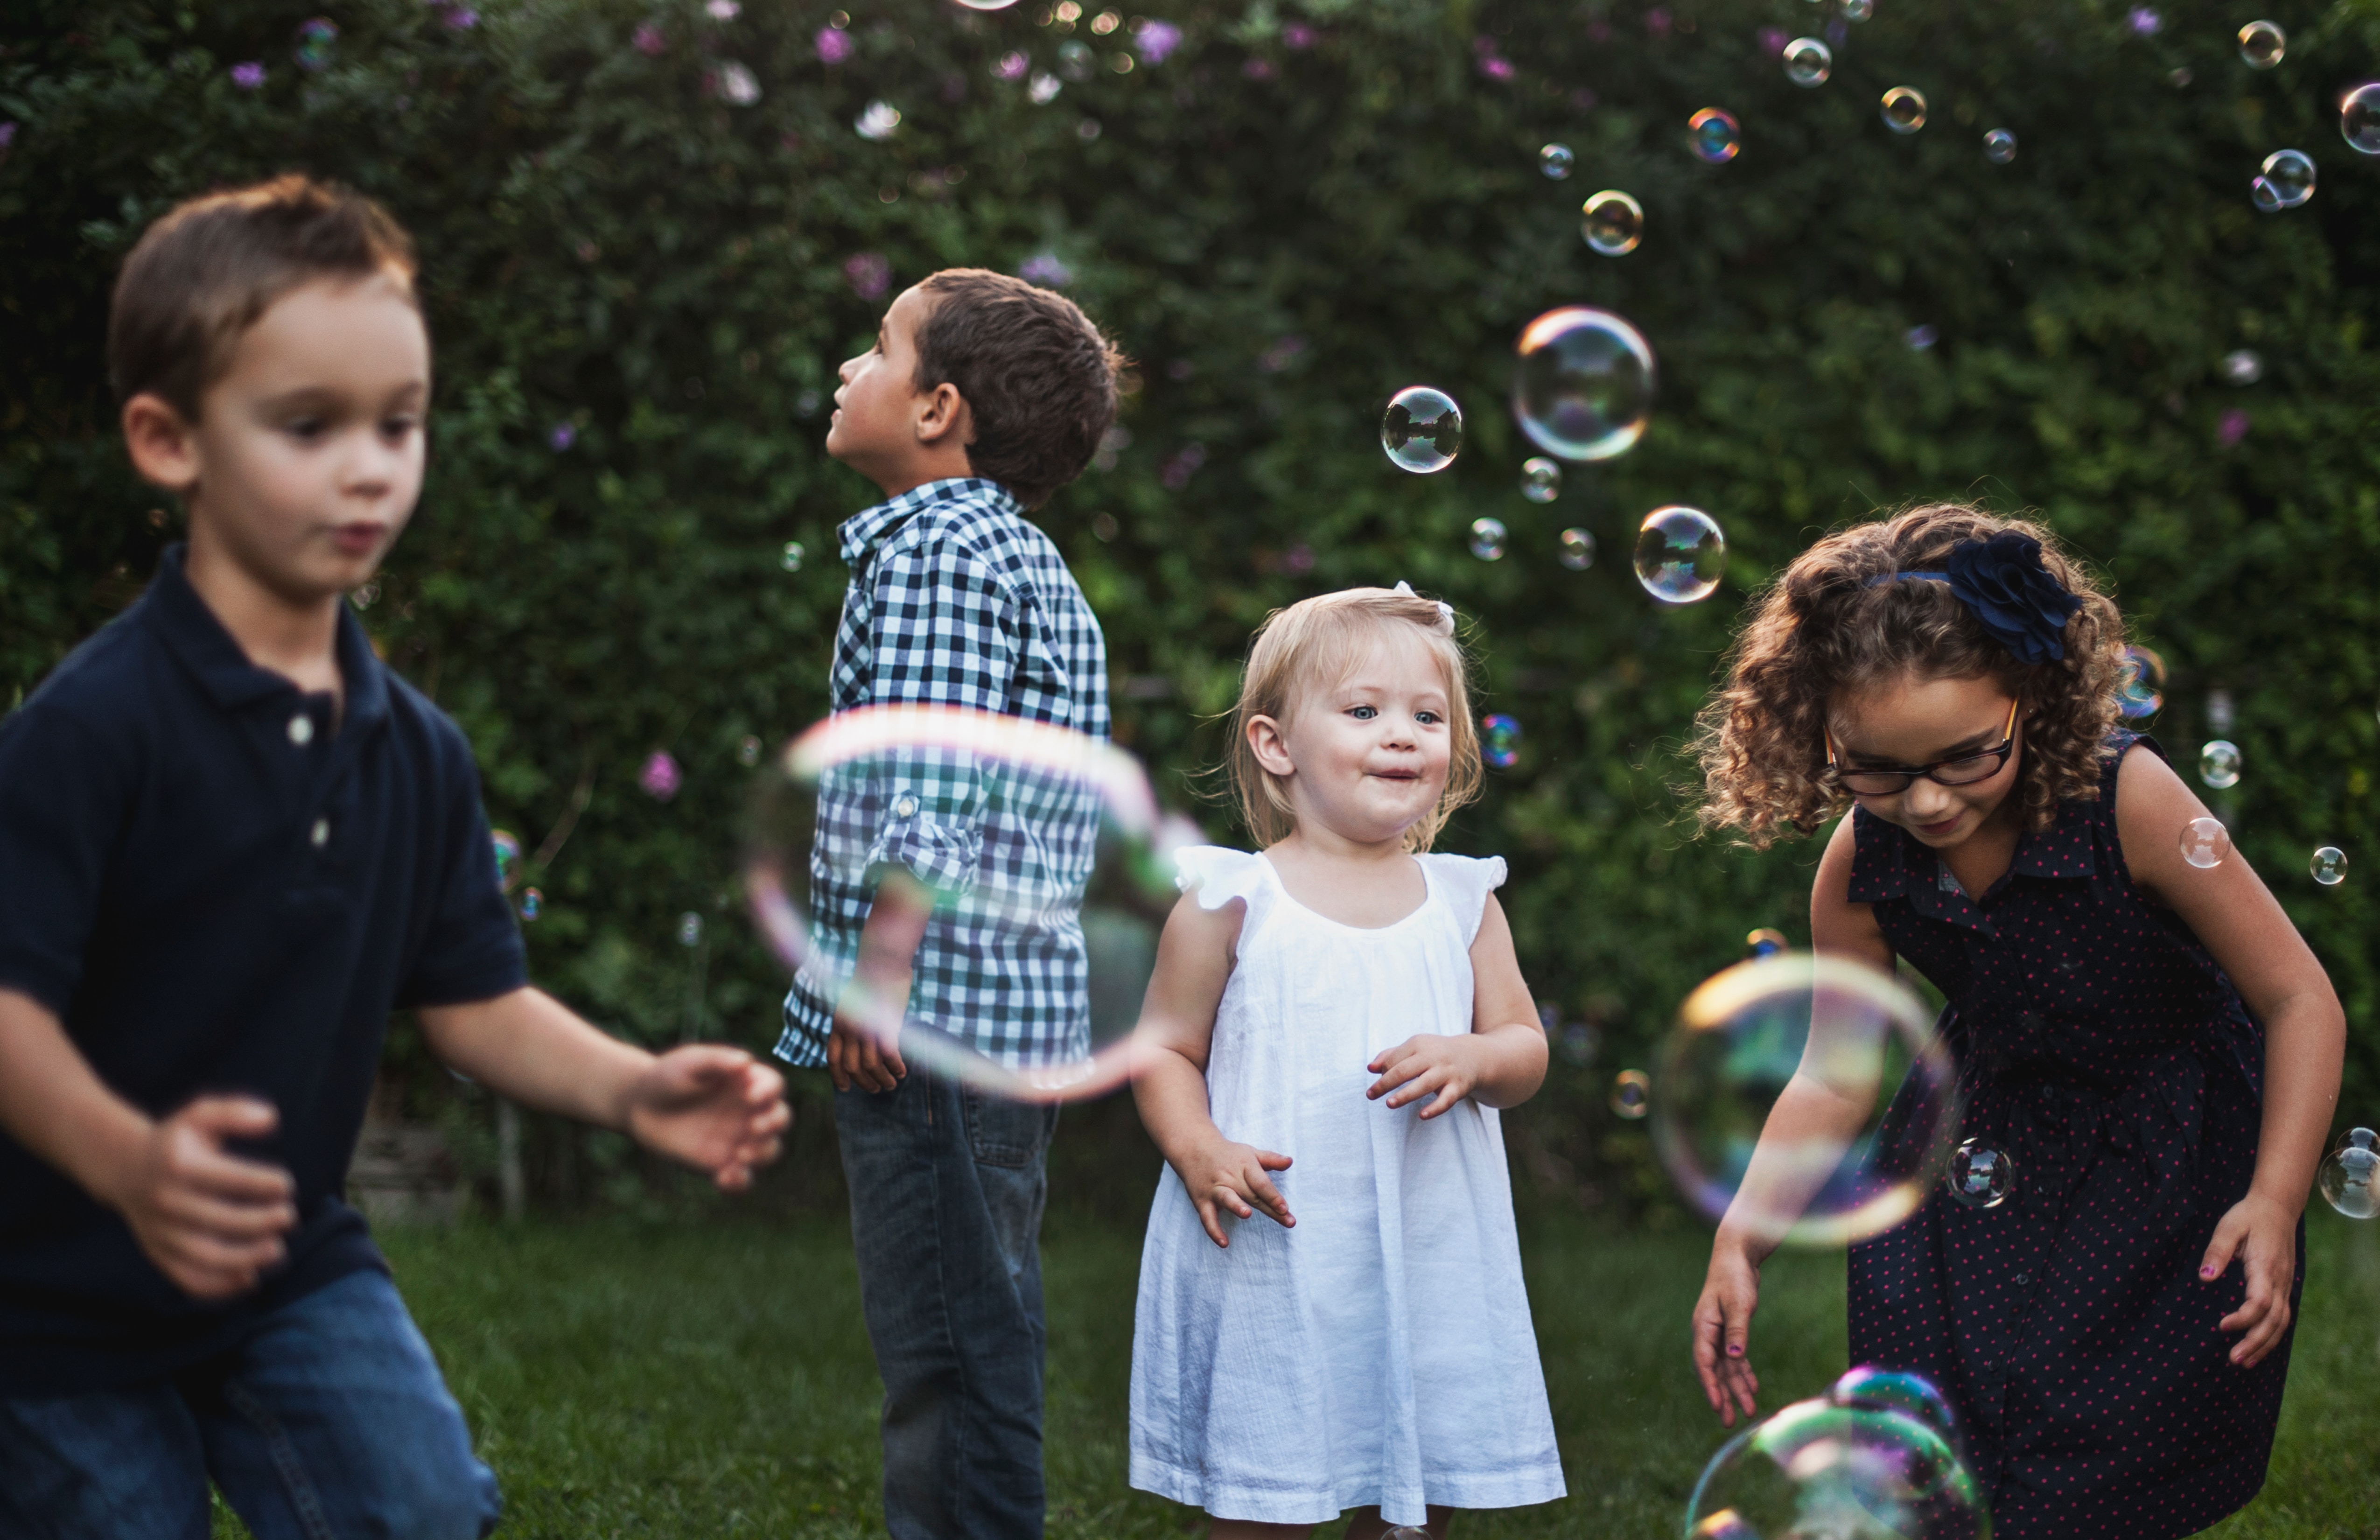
<point>1943,828</point>
<point>358,540</point>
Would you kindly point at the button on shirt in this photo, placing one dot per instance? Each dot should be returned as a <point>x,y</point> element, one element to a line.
<point>220,884</point>
<point>957,600</point>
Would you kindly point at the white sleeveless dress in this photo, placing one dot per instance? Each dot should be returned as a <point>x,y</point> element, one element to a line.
<point>1380,1353</point>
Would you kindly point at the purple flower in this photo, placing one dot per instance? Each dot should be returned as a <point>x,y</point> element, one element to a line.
<point>1257,68</point>
<point>1298,35</point>
<point>1045,268</point>
<point>1011,65</point>
<point>1157,40</point>
<point>462,19</point>
<point>1773,39</point>
<point>248,76</point>
<point>1496,67</point>
<point>660,778</point>
<point>1656,21</point>
<point>1920,338</point>
<point>869,274</point>
<point>834,47</point>
<point>650,42</point>
<point>2145,22</point>
<point>2003,581</point>
<point>2233,428</point>
<point>563,437</point>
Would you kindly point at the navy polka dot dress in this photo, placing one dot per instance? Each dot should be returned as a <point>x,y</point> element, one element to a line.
<point>2106,1053</point>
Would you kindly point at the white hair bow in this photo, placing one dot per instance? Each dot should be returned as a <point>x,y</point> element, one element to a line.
<point>1445,611</point>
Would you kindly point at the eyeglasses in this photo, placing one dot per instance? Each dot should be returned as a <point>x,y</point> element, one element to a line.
<point>1964,770</point>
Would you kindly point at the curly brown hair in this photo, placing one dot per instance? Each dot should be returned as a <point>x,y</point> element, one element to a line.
<point>1830,622</point>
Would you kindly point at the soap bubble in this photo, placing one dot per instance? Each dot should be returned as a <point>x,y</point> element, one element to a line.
<point>1612,223</point>
<point>532,904</point>
<point>735,83</point>
<point>1488,539</point>
<point>1582,389</point>
<point>1979,1175</point>
<point>2219,764</point>
<point>1680,555</point>
<point>2287,181</point>
<point>1499,740</point>
<point>1821,1470</point>
<point>1904,109</point>
<point>2262,44</point>
<point>2328,865</point>
<point>1854,1038</point>
<point>2140,684</point>
<point>791,557</point>
<point>1714,135</point>
<point>1422,430</point>
<point>507,850</point>
<point>877,121</point>
<point>314,42</point>
<point>2350,1177</point>
<point>1577,550</point>
<point>748,752</point>
<point>2359,119</point>
<point>2204,843</point>
<point>1632,1094</point>
<point>1858,10</point>
<point>2242,366</point>
<point>1540,479</point>
<point>1999,147</point>
<point>1765,943</point>
<point>1808,62</point>
<point>1026,838</point>
<point>689,929</point>
<point>1555,161</point>
<point>1902,1390</point>
<point>1043,88</point>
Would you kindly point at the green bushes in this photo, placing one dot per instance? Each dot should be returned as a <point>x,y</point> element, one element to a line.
<point>1286,218</point>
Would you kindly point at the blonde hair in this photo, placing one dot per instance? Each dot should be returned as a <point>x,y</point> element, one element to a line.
<point>1316,642</point>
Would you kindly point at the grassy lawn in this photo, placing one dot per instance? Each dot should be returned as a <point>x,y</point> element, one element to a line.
<point>630,1379</point>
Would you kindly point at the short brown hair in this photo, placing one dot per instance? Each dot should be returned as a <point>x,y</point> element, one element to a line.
<point>1316,643</point>
<point>1833,619</point>
<point>206,272</point>
<point>1038,377</point>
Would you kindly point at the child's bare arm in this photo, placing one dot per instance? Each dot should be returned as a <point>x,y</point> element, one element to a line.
<point>1500,1063</point>
<point>211,1221</point>
<point>713,1107</point>
<point>1169,1082</point>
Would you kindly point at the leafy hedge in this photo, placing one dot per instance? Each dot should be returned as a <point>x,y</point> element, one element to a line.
<point>640,282</point>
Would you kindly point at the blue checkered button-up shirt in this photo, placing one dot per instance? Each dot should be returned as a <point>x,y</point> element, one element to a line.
<point>957,599</point>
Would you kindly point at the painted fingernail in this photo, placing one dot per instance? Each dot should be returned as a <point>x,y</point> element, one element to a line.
<point>2208,1271</point>
<point>1734,1351</point>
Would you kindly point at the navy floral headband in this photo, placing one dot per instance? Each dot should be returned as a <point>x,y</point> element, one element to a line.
<point>2003,581</point>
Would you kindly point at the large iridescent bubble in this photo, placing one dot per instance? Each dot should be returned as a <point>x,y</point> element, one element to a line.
<point>1020,839</point>
<point>1583,383</point>
<point>1859,1146</point>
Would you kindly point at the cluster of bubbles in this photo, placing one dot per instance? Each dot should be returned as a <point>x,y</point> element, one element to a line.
<point>2350,1176</point>
<point>1681,555</point>
<point>2219,764</point>
<point>1847,1035</point>
<point>1877,1455</point>
<point>1979,1175</point>
<point>1499,740</point>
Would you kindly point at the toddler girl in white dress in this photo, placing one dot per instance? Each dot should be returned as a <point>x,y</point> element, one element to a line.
<point>1332,1315</point>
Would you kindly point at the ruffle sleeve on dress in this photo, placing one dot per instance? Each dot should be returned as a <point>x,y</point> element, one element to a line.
<point>1467,880</point>
<point>1218,875</point>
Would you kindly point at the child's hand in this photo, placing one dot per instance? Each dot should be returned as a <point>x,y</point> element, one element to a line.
<point>1723,1330</point>
<point>715,1108</point>
<point>211,1221</point>
<point>1419,1066</point>
<point>2263,1235</point>
<point>1232,1176</point>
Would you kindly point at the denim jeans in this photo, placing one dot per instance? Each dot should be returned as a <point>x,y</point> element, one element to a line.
<point>947,1186</point>
<point>331,1422</point>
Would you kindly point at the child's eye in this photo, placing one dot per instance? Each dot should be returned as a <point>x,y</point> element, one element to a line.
<point>396,430</point>
<point>307,429</point>
<point>1428,719</point>
<point>1363,713</point>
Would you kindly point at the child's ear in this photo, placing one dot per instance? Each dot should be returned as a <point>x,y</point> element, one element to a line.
<point>1266,743</point>
<point>942,414</point>
<point>165,452</point>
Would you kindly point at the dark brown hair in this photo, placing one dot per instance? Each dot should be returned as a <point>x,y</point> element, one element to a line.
<point>206,272</point>
<point>1835,620</point>
<point>1036,376</point>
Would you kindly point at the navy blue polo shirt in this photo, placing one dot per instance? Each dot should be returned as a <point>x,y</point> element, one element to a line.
<point>220,884</point>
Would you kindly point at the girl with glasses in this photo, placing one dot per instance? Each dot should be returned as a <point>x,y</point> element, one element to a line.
<point>2148,1042</point>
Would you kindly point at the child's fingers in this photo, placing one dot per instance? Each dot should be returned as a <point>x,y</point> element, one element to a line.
<point>1265,1196</point>
<point>1271,1161</point>
<point>1450,1096</point>
<point>1208,1221</point>
<point>2228,1236</point>
<point>1388,1056</point>
<point>1424,1079</point>
<point>1399,1074</point>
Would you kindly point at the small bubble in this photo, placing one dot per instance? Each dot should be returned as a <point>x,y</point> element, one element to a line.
<point>748,752</point>
<point>1858,10</point>
<point>1422,430</point>
<point>1632,1094</point>
<point>1540,479</point>
<point>1499,740</point>
<point>877,121</point>
<point>2328,865</point>
<point>1577,550</point>
<point>1488,539</point>
<point>1010,66</point>
<point>532,904</point>
<point>2262,44</point>
<point>507,850</point>
<point>1044,89</point>
<point>1681,555</point>
<point>2219,764</point>
<point>791,557</point>
<point>314,41</point>
<point>689,929</point>
<point>2140,684</point>
<point>2350,1177</point>
<point>1980,1176</point>
<point>2359,119</point>
<point>1714,135</point>
<point>1920,338</point>
<point>1999,147</point>
<point>1904,109</point>
<point>1808,62</point>
<point>2287,180</point>
<point>1555,161</point>
<point>2204,843</point>
<point>1612,223</point>
<point>2243,366</point>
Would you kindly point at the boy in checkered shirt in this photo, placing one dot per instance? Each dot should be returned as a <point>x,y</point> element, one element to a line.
<point>981,397</point>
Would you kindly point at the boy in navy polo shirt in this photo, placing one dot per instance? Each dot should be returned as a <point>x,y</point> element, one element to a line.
<point>981,397</point>
<point>231,841</point>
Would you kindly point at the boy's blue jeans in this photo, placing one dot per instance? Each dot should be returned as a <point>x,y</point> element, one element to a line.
<point>947,1186</point>
<point>332,1421</point>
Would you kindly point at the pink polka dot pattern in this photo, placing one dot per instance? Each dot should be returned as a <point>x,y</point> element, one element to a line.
<point>2104,1051</point>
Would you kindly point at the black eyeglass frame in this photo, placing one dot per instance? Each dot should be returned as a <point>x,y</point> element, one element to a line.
<point>1998,754</point>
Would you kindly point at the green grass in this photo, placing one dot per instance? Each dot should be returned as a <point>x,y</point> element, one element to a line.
<point>630,1380</point>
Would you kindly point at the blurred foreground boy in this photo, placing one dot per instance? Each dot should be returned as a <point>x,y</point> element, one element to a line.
<point>231,840</point>
<point>982,396</point>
